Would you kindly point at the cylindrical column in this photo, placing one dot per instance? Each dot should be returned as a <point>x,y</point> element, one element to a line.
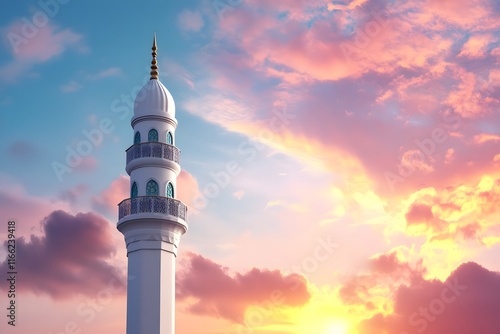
<point>151,289</point>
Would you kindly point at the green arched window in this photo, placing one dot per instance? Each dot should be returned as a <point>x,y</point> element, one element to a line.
<point>170,138</point>
<point>133,190</point>
<point>170,190</point>
<point>152,188</point>
<point>153,135</point>
<point>137,138</point>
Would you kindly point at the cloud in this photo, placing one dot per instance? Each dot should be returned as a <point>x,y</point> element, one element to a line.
<point>175,71</point>
<point>42,45</point>
<point>70,87</point>
<point>20,205</point>
<point>87,164</point>
<point>419,213</point>
<point>476,46</point>
<point>216,293</point>
<point>462,13</point>
<point>107,73</point>
<point>190,21</point>
<point>456,213</point>
<point>239,194</point>
<point>108,199</point>
<point>386,272</point>
<point>485,137</point>
<point>466,302</point>
<point>23,151</point>
<point>72,194</point>
<point>187,190</point>
<point>360,109</point>
<point>69,258</point>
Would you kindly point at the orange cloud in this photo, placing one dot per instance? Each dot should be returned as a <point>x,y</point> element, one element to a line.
<point>485,137</point>
<point>457,213</point>
<point>386,272</point>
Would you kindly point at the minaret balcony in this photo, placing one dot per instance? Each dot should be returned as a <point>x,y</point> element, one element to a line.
<point>156,153</point>
<point>153,150</point>
<point>158,206</point>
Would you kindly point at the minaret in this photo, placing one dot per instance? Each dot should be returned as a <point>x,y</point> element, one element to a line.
<point>152,220</point>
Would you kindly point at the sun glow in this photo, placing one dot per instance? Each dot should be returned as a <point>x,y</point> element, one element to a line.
<point>337,328</point>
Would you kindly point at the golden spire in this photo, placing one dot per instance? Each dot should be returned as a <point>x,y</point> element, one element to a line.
<point>154,68</point>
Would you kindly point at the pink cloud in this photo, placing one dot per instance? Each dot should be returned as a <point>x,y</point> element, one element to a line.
<point>363,99</point>
<point>450,155</point>
<point>109,198</point>
<point>37,46</point>
<point>463,13</point>
<point>216,293</point>
<point>476,46</point>
<point>467,302</point>
<point>43,44</point>
<point>419,213</point>
<point>87,164</point>
<point>385,270</point>
<point>69,258</point>
<point>19,205</point>
<point>188,189</point>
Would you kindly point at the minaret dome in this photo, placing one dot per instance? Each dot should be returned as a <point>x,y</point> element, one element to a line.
<point>154,98</point>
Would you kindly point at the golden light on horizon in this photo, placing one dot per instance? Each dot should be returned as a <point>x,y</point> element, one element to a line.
<point>337,327</point>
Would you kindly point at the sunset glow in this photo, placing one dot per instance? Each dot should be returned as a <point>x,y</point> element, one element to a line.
<point>340,163</point>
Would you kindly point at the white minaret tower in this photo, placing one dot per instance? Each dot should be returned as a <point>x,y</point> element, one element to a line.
<point>152,220</point>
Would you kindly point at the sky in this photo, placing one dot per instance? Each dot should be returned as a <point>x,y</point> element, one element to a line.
<point>340,162</point>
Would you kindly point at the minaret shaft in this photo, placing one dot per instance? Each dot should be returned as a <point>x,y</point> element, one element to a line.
<point>151,292</point>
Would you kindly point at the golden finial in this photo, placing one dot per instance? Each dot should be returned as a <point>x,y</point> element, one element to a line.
<point>154,68</point>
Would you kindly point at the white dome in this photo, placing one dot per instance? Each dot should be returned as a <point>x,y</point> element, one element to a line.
<point>155,100</point>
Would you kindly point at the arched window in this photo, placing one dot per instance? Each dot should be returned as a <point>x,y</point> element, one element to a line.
<point>170,190</point>
<point>133,190</point>
<point>137,138</point>
<point>170,138</point>
<point>152,188</point>
<point>153,135</point>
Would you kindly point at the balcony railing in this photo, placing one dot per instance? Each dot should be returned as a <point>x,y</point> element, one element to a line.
<point>152,204</point>
<point>155,150</point>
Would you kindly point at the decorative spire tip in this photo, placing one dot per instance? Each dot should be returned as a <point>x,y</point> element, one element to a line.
<point>154,67</point>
